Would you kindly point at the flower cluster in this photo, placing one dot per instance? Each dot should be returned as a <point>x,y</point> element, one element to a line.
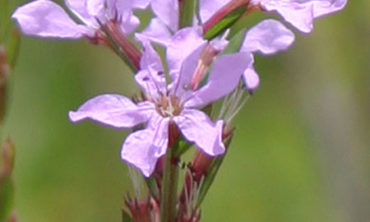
<point>204,63</point>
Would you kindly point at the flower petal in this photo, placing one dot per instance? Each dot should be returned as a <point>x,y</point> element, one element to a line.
<point>44,18</point>
<point>181,80</point>
<point>321,8</point>
<point>223,79</point>
<point>143,148</point>
<point>207,8</point>
<point>167,11</point>
<point>251,79</point>
<point>183,43</point>
<point>156,32</point>
<point>268,36</point>
<point>198,128</point>
<point>300,15</point>
<point>113,110</point>
<point>151,77</point>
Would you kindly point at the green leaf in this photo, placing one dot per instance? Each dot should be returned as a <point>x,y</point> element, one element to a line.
<point>224,23</point>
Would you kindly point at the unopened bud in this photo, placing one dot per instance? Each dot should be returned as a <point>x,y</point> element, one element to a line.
<point>140,210</point>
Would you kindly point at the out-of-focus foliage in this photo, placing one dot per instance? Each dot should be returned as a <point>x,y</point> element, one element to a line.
<point>6,180</point>
<point>301,145</point>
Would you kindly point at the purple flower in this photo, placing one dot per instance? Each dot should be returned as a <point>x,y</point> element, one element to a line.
<point>174,102</point>
<point>267,37</point>
<point>44,18</point>
<point>299,13</point>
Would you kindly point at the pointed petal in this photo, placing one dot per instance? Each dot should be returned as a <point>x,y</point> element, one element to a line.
<point>181,79</point>
<point>44,18</point>
<point>167,11</point>
<point>83,9</point>
<point>129,23</point>
<point>223,79</point>
<point>207,8</point>
<point>113,110</point>
<point>186,41</point>
<point>151,77</point>
<point>143,148</point>
<point>156,32</point>
<point>199,129</point>
<point>267,37</point>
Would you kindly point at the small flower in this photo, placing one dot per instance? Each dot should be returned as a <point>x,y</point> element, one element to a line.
<point>175,103</point>
<point>44,18</point>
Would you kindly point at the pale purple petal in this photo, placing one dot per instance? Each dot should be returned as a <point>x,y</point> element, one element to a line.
<point>223,79</point>
<point>181,80</point>
<point>301,13</point>
<point>113,110</point>
<point>167,11</point>
<point>321,8</point>
<point>143,148</point>
<point>44,18</point>
<point>80,9</point>
<point>156,32</point>
<point>251,79</point>
<point>197,128</point>
<point>129,23</point>
<point>267,37</point>
<point>96,8</point>
<point>140,4</point>
<point>207,8</point>
<point>183,43</point>
<point>151,76</point>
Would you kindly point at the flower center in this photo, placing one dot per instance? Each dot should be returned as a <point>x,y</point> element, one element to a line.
<point>168,106</point>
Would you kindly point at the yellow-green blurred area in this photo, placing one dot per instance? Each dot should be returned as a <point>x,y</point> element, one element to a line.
<point>301,145</point>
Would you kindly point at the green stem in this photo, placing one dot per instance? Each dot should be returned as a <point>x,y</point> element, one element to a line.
<point>169,190</point>
<point>187,8</point>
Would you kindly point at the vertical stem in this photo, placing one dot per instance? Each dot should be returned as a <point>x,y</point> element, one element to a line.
<point>169,190</point>
<point>187,8</point>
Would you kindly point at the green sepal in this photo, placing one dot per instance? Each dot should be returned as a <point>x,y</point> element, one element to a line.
<point>225,23</point>
<point>153,188</point>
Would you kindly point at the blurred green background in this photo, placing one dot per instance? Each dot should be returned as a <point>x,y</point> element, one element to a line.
<point>300,153</point>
